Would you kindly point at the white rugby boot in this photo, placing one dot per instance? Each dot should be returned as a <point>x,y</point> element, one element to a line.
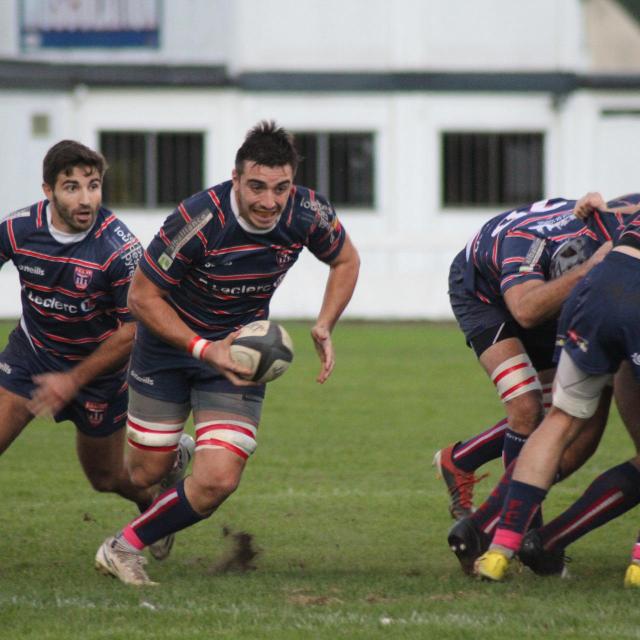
<point>160,549</point>
<point>114,559</point>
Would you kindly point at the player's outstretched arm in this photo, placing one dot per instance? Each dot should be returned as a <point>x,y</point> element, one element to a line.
<point>55,390</point>
<point>343,275</point>
<point>147,302</point>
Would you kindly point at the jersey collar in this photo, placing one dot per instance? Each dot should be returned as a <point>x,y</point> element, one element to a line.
<point>249,228</point>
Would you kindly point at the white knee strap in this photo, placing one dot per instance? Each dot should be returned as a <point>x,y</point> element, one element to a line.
<point>236,436</point>
<point>514,377</point>
<point>153,435</point>
<point>576,392</point>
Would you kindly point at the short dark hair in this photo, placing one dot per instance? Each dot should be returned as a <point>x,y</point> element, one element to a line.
<point>67,154</point>
<point>269,145</point>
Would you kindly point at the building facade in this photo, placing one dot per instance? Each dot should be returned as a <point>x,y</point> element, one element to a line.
<point>419,119</point>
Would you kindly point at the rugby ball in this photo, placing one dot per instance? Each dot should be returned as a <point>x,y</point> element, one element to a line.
<point>265,348</point>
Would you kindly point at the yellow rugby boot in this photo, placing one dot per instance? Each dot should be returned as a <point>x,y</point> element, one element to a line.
<point>492,565</point>
<point>632,576</point>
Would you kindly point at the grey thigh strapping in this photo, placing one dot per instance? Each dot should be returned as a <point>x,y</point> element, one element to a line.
<point>246,404</point>
<point>155,424</point>
<point>151,409</point>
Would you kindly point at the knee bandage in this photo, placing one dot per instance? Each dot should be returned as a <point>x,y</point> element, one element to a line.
<point>234,435</point>
<point>514,377</point>
<point>155,436</point>
<point>576,392</point>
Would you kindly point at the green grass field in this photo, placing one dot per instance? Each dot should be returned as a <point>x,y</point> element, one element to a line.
<point>345,510</point>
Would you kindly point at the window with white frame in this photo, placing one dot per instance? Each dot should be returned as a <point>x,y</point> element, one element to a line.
<point>152,169</point>
<point>491,169</point>
<point>338,165</point>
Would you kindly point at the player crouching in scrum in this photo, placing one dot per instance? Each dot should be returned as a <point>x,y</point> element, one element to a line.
<point>600,329</point>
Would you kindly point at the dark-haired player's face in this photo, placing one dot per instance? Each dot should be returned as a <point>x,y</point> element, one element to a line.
<point>262,193</point>
<point>75,199</point>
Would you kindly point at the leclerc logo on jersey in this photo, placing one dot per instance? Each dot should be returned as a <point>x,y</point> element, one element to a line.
<point>82,277</point>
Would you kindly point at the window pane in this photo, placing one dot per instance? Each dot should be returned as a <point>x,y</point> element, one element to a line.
<point>179,166</point>
<point>487,169</point>
<point>522,161</point>
<point>307,146</point>
<point>451,167</point>
<point>152,169</point>
<point>351,169</point>
<point>125,182</point>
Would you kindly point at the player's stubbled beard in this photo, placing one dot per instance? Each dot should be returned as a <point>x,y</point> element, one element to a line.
<point>69,215</point>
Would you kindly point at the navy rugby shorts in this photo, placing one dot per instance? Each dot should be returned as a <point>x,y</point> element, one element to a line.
<point>98,410</point>
<point>158,370</point>
<point>600,322</point>
<point>481,321</point>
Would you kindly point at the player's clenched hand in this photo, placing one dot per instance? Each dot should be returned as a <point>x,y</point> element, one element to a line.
<point>590,202</point>
<point>53,392</point>
<point>218,355</point>
<point>322,342</point>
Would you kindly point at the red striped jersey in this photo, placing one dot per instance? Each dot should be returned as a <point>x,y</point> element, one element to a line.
<point>537,241</point>
<point>74,293</point>
<point>221,276</point>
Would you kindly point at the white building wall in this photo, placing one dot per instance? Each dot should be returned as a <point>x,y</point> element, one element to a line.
<point>408,240</point>
<point>9,41</point>
<point>347,35</point>
<point>408,35</point>
<point>618,136</point>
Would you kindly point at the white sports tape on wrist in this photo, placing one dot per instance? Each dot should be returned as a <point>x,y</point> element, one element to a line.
<point>198,346</point>
<point>514,377</point>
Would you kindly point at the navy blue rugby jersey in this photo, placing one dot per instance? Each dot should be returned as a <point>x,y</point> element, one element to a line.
<point>631,233</point>
<point>221,276</point>
<point>537,241</point>
<point>74,295</point>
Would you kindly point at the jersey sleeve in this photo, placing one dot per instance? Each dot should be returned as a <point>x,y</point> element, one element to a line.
<point>5,245</point>
<point>524,258</point>
<point>121,272</point>
<point>180,243</point>
<point>608,226</point>
<point>6,224</point>
<point>630,235</point>
<point>327,234</point>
